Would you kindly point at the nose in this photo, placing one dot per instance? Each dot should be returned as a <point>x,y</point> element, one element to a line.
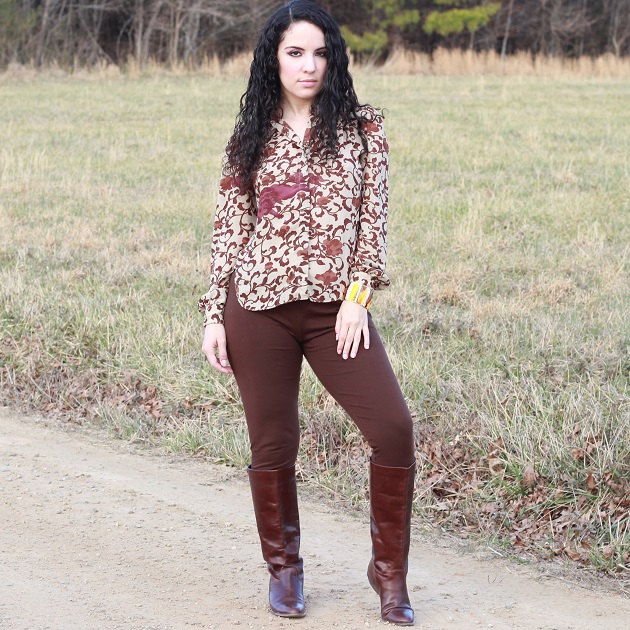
<point>309,63</point>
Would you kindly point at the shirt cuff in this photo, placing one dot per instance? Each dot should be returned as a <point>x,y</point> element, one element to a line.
<point>361,278</point>
<point>379,280</point>
<point>213,317</point>
<point>213,312</point>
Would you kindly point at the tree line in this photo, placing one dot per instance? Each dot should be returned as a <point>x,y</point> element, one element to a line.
<point>87,32</point>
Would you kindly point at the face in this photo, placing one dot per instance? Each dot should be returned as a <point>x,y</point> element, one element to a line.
<point>302,60</point>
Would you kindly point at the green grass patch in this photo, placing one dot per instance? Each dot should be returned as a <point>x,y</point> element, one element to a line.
<point>507,322</point>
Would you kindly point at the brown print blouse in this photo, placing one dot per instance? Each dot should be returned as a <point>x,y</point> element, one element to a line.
<point>309,228</point>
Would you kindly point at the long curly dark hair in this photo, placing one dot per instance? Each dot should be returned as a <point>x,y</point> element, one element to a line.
<point>336,101</point>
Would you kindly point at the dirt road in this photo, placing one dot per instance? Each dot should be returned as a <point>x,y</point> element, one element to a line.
<point>95,534</point>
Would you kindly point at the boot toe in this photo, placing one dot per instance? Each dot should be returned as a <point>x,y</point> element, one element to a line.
<point>288,609</point>
<point>401,616</point>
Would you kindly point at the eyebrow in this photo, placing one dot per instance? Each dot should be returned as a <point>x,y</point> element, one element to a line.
<point>300,48</point>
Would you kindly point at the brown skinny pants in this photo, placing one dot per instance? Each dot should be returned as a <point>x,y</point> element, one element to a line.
<point>265,349</point>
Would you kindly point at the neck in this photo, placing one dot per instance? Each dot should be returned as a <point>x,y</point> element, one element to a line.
<point>296,108</point>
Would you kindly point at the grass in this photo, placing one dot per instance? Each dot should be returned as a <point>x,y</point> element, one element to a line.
<point>507,321</point>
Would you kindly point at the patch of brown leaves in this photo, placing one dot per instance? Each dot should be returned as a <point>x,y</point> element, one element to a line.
<point>469,492</point>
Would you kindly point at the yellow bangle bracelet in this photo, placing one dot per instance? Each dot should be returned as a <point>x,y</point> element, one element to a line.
<point>360,294</point>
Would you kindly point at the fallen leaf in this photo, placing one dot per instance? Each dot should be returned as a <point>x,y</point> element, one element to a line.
<point>577,453</point>
<point>496,465</point>
<point>591,484</point>
<point>574,554</point>
<point>529,477</point>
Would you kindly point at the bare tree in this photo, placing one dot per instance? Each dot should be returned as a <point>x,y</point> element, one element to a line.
<point>619,26</point>
<point>566,24</point>
<point>188,31</point>
<point>506,34</point>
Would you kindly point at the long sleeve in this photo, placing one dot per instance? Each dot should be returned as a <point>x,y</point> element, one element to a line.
<point>234,223</point>
<point>367,265</point>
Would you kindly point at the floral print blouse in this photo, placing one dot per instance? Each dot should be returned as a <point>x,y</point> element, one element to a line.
<point>310,227</point>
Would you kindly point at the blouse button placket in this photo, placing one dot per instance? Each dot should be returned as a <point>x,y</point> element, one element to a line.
<point>307,215</point>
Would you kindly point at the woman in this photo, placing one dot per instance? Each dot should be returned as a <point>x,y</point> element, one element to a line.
<point>298,248</point>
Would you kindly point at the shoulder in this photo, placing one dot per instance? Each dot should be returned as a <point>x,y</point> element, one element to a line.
<point>373,130</point>
<point>372,123</point>
<point>369,114</point>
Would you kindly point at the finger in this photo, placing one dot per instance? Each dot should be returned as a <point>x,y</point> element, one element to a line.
<point>348,342</point>
<point>337,327</point>
<point>223,356</point>
<point>208,351</point>
<point>340,342</point>
<point>341,337</point>
<point>366,336</point>
<point>213,360</point>
<point>356,342</point>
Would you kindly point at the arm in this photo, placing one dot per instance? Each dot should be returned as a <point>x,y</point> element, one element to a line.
<point>234,223</point>
<point>367,265</point>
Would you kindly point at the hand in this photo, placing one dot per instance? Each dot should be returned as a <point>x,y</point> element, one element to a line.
<point>352,322</point>
<point>214,342</point>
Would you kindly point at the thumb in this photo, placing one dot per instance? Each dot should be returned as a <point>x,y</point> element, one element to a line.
<point>223,357</point>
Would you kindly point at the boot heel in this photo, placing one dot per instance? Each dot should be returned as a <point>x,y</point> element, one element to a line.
<point>372,577</point>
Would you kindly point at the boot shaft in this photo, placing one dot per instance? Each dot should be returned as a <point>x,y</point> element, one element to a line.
<point>274,495</point>
<point>391,502</point>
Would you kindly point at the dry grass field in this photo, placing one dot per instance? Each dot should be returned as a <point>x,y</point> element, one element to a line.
<point>507,321</point>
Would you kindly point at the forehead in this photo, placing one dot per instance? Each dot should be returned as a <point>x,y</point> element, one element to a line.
<point>303,35</point>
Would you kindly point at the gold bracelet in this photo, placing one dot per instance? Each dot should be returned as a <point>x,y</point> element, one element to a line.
<point>360,294</point>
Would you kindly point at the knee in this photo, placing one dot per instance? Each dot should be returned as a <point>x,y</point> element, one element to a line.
<point>402,426</point>
<point>396,448</point>
<point>274,454</point>
<point>401,429</point>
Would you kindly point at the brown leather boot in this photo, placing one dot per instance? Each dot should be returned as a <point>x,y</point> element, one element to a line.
<point>391,497</point>
<point>275,505</point>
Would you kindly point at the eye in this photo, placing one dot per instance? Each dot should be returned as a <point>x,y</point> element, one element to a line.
<point>322,53</point>
<point>294,53</point>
